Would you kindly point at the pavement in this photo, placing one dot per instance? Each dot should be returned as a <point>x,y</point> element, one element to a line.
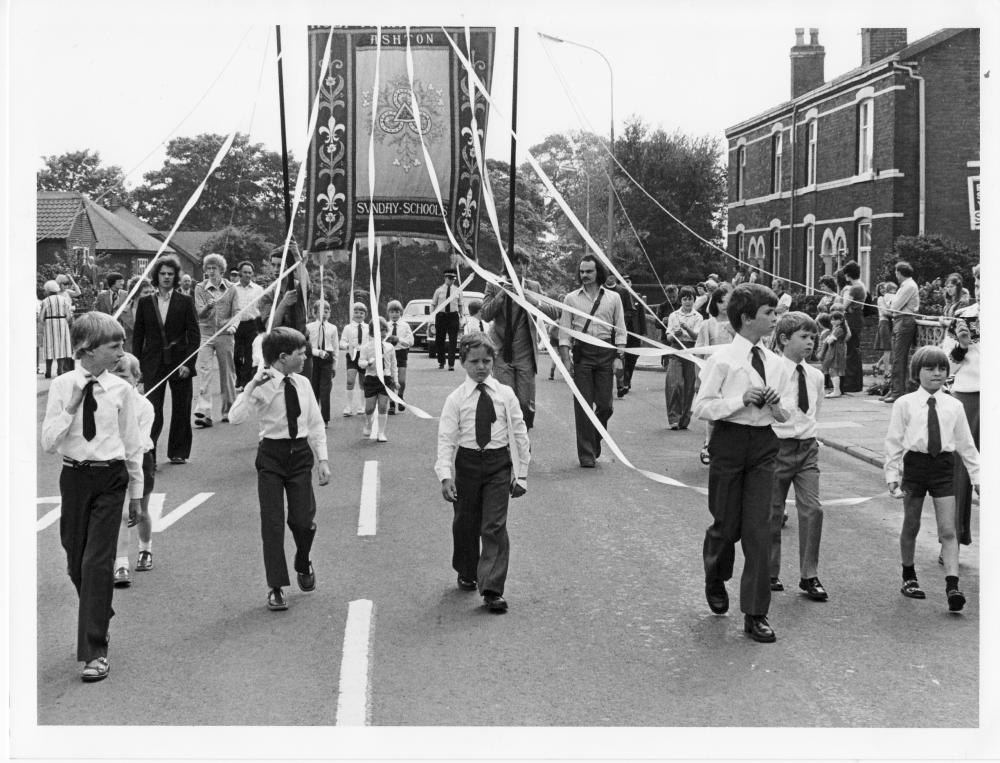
<point>854,424</point>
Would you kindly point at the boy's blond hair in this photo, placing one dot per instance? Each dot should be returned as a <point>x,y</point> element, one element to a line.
<point>131,363</point>
<point>93,329</point>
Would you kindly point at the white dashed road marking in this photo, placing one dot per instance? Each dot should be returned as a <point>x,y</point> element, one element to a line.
<point>369,499</point>
<point>354,700</point>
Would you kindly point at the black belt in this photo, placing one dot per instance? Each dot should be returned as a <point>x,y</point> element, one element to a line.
<point>483,451</point>
<point>101,464</point>
<point>54,317</point>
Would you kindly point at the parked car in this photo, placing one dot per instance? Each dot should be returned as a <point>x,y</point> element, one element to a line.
<point>467,297</point>
<point>415,314</point>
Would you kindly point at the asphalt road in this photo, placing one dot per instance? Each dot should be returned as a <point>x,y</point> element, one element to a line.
<point>607,626</point>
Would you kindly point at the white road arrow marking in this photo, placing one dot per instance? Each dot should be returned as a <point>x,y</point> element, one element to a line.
<point>369,499</point>
<point>354,702</point>
<point>190,505</point>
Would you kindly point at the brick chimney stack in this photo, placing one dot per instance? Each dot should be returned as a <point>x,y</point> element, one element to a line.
<point>807,62</point>
<point>876,44</point>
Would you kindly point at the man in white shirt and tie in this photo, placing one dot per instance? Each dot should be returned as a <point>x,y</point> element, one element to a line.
<point>247,299</point>
<point>448,319</point>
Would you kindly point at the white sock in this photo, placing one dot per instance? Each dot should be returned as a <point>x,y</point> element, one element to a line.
<point>146,545</point>
<point>383,423</point>
<point>121,561</point>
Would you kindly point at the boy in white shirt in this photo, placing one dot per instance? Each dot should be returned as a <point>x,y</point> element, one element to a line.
<point>323,341</point>
<point>475,321</point>
<point>482,462</point>
<point>798,453</point>
<point>352,339</point>
<point>127,369</point>
<point>926,432</point>
<point>292,440</point>
<point>679,383</point>
<point>401,338</point>
<point>375,388</point>
<point>90,421</point>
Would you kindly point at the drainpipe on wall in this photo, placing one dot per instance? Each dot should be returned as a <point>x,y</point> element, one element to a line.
<point>791,206</point>
<point>908,68</point>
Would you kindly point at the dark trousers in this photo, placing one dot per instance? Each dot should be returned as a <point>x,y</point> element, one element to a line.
<point>963,485</point>
<point>482,479</point>
<point>284,467</point>
<point>740,485</point>
<point>678,388</point>
<point>853,380</point>
<point>321,378</point>
<point>445,325</point>
<point>92,499</point>
<point>594,377</point>
<point>904,331</point>
<point>246,332</point>
<point>181,391</point>
<point>629,367</point>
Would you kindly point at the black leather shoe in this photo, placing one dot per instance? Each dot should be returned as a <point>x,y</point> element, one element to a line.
<point>813,588</point>
<point>465,584</point>
<point>307,580</point>
<point>276,600</point>
<point>956,600</point>
<point>757,627</point>
<point>717,596</point>
<point>495,602</point>
<point>588,463</point>
<point>777,585</point>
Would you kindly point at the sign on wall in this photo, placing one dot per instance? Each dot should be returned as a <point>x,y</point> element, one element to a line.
<point>974,203</point>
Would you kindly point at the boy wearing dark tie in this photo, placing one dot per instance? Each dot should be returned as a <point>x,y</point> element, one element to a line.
<point>292,439</point>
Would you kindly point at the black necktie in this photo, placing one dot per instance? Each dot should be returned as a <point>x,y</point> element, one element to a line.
<point>394,328</point>
<point>933,427</point>
<point>485,416</point>
<point>322,335</point>
<point>90,408</point>
<point>292,407</point>
<point>803,391</point>
<point>757,361</point>
<point>447,295</point>
<point>359,335</point>
<point>508,334</point>
<point>114,299</point>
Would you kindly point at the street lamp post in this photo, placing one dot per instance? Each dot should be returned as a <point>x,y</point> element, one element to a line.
<point>611,147</point>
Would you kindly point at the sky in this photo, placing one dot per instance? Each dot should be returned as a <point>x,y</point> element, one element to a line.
<point>123,83</point>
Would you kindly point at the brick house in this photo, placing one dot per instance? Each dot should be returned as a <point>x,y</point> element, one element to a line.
<point>70,224</point>
<point>842,169</point>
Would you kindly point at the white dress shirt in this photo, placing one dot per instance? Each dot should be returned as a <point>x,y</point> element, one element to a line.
<point>349,337</point>
<point>908,431</point>
<point>331,340</point>
<point>366,360</point>
<point>403,332</point>
<point>245,295</point>
<point>117,436</point>
<point>450,295</point>
<point>692,321</point>
<point>457,427</point>
<point>728,374</point>
<point>144,415</point>
<point>800,426</point>
<point>473,324</point>
<point>163,303</point>
<point>268,401</point>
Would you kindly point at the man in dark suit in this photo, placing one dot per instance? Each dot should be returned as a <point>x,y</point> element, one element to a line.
<point>109,300</point>
<point>515,336</point>
<point>165,340</point>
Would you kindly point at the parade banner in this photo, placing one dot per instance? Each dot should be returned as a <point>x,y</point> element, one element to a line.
<point>404,202</point>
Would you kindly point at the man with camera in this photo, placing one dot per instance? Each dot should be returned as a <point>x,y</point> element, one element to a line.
<point>597,312</point>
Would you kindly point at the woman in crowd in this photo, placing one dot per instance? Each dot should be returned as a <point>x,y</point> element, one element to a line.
<point>854,295</point>
<point>54,315</point>
<point>955,296</point>
<point>963,337</point>
<point>828,294</point>
<point>716,330</point>
<point>883,336</point>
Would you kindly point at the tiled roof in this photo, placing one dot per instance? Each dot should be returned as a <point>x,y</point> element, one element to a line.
<point>56,212</point>
<point>130,218</point>
<point>114,233</point>
<point>190,241</point>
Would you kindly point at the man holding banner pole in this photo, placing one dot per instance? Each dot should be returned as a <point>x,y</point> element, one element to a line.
<point>593,367</point>
<point>515,336</point>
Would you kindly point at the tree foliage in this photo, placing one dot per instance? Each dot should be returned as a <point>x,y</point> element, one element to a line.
<point>82,171</point>
<point>246,190</point>
<point>932,256</point>
<point>237,244</point>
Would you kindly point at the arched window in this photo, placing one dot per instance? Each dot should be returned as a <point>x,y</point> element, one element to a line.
<point>840,247</point>
<point>810,258</point>
<point>776,252</point>
<point>866,131</point>
<point>740,247</point>
<point>864,239</point>
<point>741,161</point>
<point>776,162</point>
<point>812,130</point>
